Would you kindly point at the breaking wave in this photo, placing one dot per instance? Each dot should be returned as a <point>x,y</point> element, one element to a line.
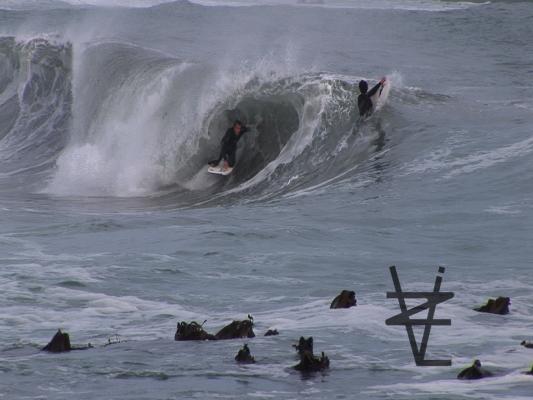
<point>35,104</point>
<point>135,122</point>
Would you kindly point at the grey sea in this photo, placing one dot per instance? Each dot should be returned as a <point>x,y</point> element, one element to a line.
<point>111,229</point>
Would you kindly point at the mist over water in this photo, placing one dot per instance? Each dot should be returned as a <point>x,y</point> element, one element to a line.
<point>111,225</point>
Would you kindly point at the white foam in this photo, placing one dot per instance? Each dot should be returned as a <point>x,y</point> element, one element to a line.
<point>124,156</point>
<point>443,159</point>
<point>94,313</point>
<point>503,210</point>
<point>477,389</point>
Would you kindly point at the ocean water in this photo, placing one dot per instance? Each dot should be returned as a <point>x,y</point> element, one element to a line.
<point>110,224</point>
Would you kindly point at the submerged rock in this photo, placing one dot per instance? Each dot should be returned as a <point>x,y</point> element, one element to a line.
<point>195,331</point>
<point>115,339</point>
<point>237,329</point>
<point>244,356</point>
<point>304,345</point>
<point>272,332</point>
<point>191,331</point>
<point>527,345</point>
<point>59,343</point>
<point>498,306</point>
<point>474,372</point>
<point>308,361</point>
<point>345,299</point>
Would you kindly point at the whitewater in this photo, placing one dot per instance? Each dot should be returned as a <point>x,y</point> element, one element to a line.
<point>111,225</point>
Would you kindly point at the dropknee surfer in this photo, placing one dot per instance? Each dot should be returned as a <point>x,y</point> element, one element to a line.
<point>229,145</point>
<point>364,101</point>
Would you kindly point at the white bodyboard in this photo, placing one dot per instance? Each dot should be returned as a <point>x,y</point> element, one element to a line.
<point>219,171</point>
<point>380,98</point>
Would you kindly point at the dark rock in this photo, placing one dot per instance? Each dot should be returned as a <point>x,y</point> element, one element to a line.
<point>498,306</point>
<point>345,299</point>
<point>530,372</point>
<point>192,331</point>
<point>237,329</point>
<point>308,361</point>
<point>59,343</point>
<point>272,332</point>
<point>304,345</point>
<point>474,372</point>
<point>244,356</point>
<point>527,345</point>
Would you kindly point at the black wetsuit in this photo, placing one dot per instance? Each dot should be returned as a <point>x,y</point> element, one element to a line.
<point>364,101</point>
<point>229,146</point>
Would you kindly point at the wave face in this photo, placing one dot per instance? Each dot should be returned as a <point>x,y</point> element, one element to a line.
<point>35,104</point>
<point>141,123</point>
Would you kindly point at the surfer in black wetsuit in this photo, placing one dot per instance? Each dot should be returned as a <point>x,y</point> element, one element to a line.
<point>229,145</point>
<point>364,101</point>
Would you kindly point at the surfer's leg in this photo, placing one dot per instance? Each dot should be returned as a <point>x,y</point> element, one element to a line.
<point>231,158</point>
<point>214,163</point>
<point>225,164</point>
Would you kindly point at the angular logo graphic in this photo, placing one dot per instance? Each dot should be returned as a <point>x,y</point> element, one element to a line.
<point>433,298</point>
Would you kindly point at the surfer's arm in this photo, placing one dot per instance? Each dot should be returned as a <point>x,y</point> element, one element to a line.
<point>375,89</point>
<point>225,137</point>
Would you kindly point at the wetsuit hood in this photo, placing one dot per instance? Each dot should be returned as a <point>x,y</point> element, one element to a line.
<point>363,86</point>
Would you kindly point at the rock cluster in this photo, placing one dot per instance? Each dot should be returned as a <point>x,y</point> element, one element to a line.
<point>244,356</point>
<point>191,331</point>
<point>345,299</point>
<point>474,372</point>
<point>308,361</point>
<point>498,306</point>
<point>59,343</point>
<point>527,345</point>
<point>235,330</point>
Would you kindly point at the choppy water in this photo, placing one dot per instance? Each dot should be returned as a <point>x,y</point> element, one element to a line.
<point>107,227</point>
